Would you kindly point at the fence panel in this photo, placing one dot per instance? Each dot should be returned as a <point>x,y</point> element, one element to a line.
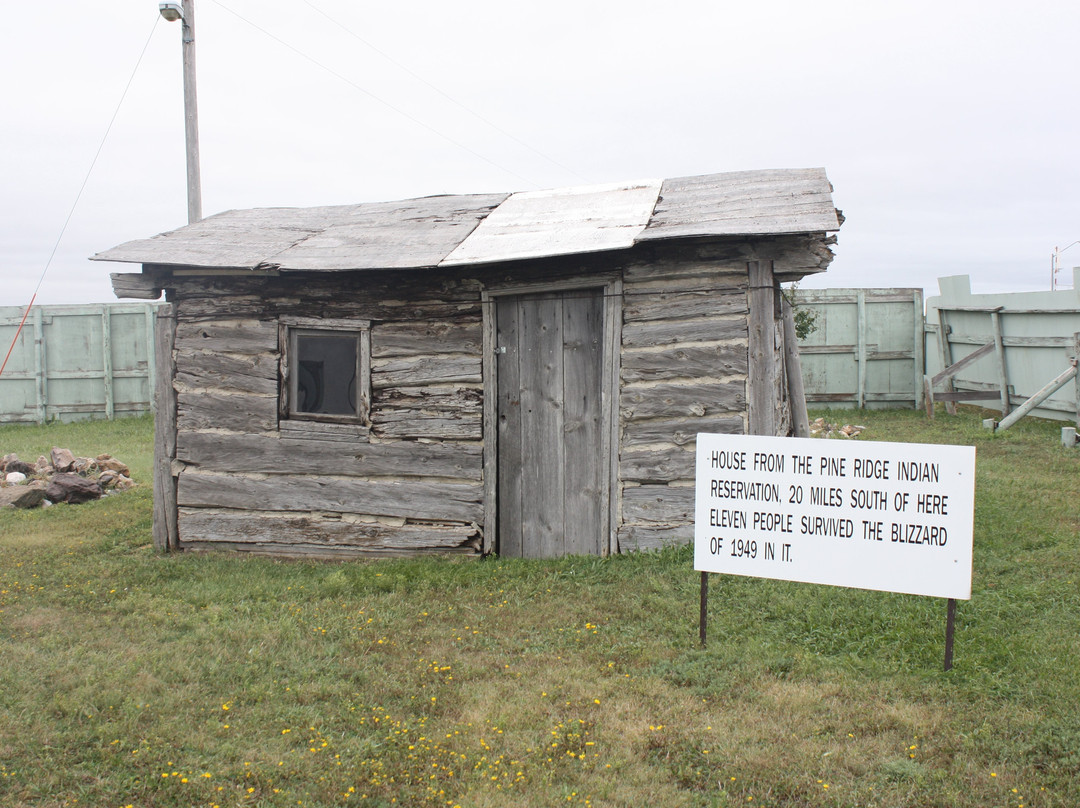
<point>76,362</point>
<point>1035,331</point>
<point>867,349</point>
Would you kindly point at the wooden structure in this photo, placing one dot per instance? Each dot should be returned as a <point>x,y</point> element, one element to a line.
<point>72,363</point>
<point>867,347</point>
<point>522,374</point>
<point>1000,350</point>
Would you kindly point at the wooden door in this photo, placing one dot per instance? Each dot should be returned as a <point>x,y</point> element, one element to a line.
<point>551,501</point>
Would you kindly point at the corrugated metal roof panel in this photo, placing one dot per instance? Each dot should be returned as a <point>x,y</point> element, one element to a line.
<point>567,221</point>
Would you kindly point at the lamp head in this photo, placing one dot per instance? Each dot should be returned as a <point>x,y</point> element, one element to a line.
<point>171,11</point>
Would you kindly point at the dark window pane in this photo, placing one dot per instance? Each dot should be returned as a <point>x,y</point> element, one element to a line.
<point>326,374</point>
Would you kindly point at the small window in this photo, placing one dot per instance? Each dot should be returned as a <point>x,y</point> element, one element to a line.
<point>325,370</point>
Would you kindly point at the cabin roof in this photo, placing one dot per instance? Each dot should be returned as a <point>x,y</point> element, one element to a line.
<point>484,228</point>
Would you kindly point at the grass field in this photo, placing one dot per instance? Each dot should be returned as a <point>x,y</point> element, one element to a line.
<point>129,678</point>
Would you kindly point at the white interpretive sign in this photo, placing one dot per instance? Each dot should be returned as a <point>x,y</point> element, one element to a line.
<point>895,517</point>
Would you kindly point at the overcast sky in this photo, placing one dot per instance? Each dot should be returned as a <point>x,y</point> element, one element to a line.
<point>950,130</point>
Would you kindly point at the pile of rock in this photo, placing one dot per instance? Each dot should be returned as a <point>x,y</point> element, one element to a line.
<point>822,429</point>
<point>61,477</point>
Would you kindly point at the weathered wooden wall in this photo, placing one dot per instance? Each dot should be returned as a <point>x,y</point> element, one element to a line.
<point>683,371</point>
<point>411,481</point>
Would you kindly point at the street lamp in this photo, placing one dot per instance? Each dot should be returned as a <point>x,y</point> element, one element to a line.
<point>171,11</point>
<point>185,12</point>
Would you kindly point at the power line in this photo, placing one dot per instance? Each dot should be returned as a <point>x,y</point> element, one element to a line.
<point>444,94</point>
<point>377,98</point>
<point>78,196</point>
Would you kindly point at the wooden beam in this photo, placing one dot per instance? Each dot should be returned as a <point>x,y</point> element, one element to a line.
<point>999,353</point>
<point>166,537</point>
<point>106,361</point>
<point>1047,390</point>
<point>951,370</point>
<point>918,346</point>
<point>139,286</point>
<point>946,357</point>
<point>41,368</point>
<point>860,322</point>
<point>762,349</point>
<point>800,420</point>
<point>1076,358</point>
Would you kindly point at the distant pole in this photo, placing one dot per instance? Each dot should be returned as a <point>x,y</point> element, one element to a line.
<point>185,12</point>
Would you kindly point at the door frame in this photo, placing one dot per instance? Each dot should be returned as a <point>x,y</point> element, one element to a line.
<point>612,286</point>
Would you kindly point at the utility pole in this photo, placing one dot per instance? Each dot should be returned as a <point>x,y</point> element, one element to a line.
<point>1055,264</point>
<point>185,12</point>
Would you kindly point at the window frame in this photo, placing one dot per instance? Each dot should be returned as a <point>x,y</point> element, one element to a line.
<point>289,329</point>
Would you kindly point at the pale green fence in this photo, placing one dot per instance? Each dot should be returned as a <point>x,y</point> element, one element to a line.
<point>1035,336</point>
<point>76,362</point>
<point>866,349</point>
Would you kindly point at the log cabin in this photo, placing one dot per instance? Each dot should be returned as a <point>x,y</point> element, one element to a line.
<point>521,374</point>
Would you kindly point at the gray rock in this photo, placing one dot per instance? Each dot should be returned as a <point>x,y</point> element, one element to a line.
<point>73,489</point>
<point>21,496</point>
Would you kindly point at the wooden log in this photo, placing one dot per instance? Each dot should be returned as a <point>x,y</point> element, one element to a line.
<point>667,465</point>
<point>215,451</point>
<point>308,534</point>
<point>238,413</point>
<point>344,307</point>
<point>425,338</point>
<point>644,279</point>
<point>426,371</point>
<point>674,400</point>
<point>683,362</point>
<point>227,336</point>
<point>635,538</point>
<point>662,504</point>
<point>639,307</point>
<point>232,373</point>
<point>679,431</point>
<point>321,552</point>
<point>135,285</point>
<point>666,332</point>
<point>419,423</point>
<point>457,398</point>
<point>428,412</point>
<point>457,502</point>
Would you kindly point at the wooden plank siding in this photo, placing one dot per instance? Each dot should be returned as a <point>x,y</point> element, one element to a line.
<point>409,482</point>
<point>412,480</point>
<point>683,371</point>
